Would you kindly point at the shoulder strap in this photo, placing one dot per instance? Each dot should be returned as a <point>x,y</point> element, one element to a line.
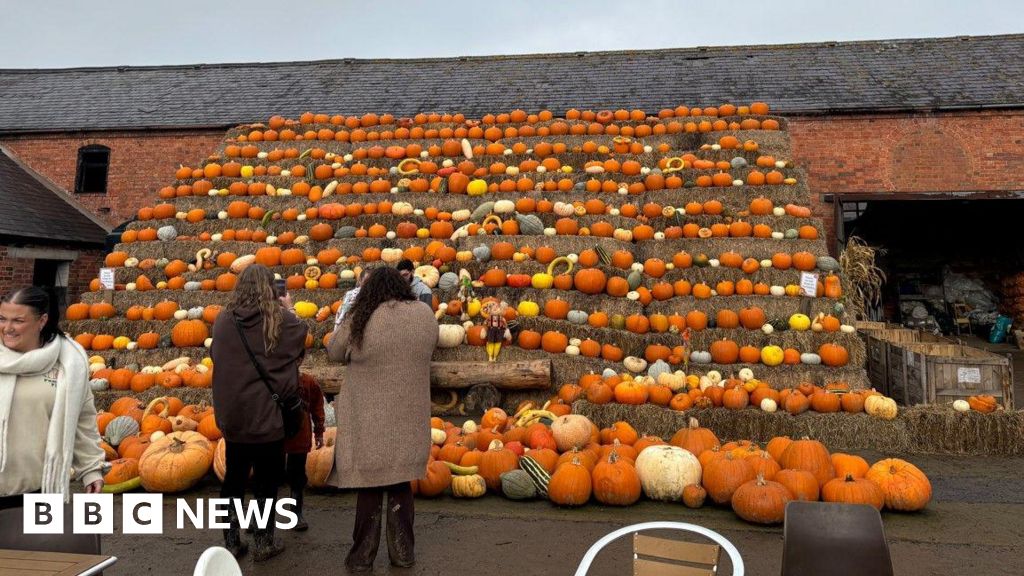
<point>255,362</point>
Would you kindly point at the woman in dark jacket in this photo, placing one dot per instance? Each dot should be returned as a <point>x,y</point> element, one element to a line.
<point>247,415</point>
<point>298,446</point>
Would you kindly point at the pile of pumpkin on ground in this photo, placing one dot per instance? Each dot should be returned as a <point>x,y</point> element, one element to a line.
<point>570,462</point>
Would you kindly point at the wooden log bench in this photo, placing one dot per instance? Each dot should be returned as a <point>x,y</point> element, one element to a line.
<point>482,382</point>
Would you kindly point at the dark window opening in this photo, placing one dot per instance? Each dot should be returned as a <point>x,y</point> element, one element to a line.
<point>51,276</point>
<point>93,162</point>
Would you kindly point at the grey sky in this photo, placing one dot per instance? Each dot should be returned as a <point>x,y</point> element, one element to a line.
<point>72,33</point>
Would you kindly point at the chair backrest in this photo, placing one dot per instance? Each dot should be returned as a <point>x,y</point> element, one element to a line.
<point>663,557</point>
<point>818,537</point>
<point>650,553</point>
<point>12,537</point>
<point>217,561</point>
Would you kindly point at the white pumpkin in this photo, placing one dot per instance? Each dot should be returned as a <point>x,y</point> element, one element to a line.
<point>181,314</point>
<point>504,207</point>
<point>777,291</point>
<point>573,431</point>
<point>746,374</point>
<point>428,274</point>
<point>438,436</point>
<point>961,406</point>
<point>450,335</point>
<point>881,407</point>
<point>608,373</point>
<point>810,358</point>
<point>634,364</point>
<point>665,470</point>
<point>700,357</point>
<point>101,384</point>
<point>715,376</point>
<point>470,427</point>
<point>769,405</point>
<point>572,350</point>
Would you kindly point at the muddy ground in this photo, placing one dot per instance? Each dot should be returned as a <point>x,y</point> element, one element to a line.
<point>972,526</point>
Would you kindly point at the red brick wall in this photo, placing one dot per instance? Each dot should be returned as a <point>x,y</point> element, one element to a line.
<point>140,163</point>
<point>17,272</point>
<point>962,151</point>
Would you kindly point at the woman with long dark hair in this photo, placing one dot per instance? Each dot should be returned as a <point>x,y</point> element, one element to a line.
<point>387,341</point>
<point>47,415</point>
<point>247,414</point>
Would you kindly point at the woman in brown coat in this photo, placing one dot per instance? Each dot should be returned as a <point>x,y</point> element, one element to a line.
<point>383,411</point>
<point>247,415</point>
<point>298,446</point>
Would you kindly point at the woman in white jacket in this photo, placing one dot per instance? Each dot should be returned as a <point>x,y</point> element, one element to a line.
<point>47,417</point>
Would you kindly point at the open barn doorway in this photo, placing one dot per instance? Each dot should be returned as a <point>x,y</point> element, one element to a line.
<point>947,255</point>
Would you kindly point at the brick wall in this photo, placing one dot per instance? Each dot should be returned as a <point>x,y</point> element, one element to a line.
<point>140,163</point>
<point>962,151</point>
<point>863,153</point>
<point>17,272</point>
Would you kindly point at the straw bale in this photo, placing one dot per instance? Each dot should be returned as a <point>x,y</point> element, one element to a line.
<point>747,247</point>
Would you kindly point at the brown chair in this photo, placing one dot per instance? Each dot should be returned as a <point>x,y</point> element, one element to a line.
<point>818,538</point>
<point>664,557</point>
<point>12,537</point>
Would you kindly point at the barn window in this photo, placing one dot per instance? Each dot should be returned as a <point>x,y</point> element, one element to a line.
<point>93,162</point>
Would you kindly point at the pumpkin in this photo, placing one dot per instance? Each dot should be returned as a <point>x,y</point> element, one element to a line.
<point>175,462</point>
<point>809,455</point>
<point>450,335</point>
<point>904,486</point>
<point>849,465</point>
<point>189,333</point>
<point>850,490</point>
<point>694,439</point>
<point>571,431</point>
<point>437,479</point>
<point>496,461</point>
<point>694,495</point>
<point>571,484</point>
<point>122,470</point>
<point>723,476</point>
<point>664,471</point>
<point>615,481</point>
<point>469,486</point>
<point>119,428</point>
<point>761,501</point>
<point>879,406</point>
<point>800,483</point>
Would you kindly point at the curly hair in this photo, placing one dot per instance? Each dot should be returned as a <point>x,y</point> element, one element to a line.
<point>383,285</point>
<point>255,289</point>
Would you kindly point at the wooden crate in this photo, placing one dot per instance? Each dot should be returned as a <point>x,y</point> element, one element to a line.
<point>877,344</point>
<point>937,373</point>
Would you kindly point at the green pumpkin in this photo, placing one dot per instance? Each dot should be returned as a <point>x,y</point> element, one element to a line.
<point>634,279</point>
<point>120,428</point>
<point>530,225</point>
<point>482,253</point>
<point>779,324</point>
<point>828,264</point>
<point>537,473</point>
<point>345,232</point>
<point>481,211</point>
<point>518,485</point>
<point>701,261</point>
<point>791,234</point>
<point>448,281</point>
<point>617,321</point>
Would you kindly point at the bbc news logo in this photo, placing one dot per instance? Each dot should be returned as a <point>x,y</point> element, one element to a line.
<point>144,513</point>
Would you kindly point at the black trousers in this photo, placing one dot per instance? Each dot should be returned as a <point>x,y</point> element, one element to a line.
<point>295,470</point>
<point>266,460</point>
<point>366,533</point>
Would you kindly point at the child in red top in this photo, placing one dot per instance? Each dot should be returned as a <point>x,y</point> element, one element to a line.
<point>299,445</point>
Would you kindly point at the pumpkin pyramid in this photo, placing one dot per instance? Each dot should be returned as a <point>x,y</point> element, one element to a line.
<point>620,239</point>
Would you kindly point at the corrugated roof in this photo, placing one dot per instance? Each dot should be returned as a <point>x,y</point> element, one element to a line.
<point>32,207</point>
<point>829,77</point>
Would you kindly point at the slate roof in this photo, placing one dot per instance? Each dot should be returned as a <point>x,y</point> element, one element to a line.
<point>830,77</point>
<point>32,207</point>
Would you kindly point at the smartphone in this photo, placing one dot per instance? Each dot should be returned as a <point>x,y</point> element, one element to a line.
<point>280,289</point>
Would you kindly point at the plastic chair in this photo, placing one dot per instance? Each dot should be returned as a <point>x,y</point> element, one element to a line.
<point>818,538</point>
<point>669,549</point>
<point>12,537</point>
<point>217,561</point>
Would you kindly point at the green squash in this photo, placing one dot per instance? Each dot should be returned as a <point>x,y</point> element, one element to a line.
<point>635,278</point>
<point>530,225</point>
<point>345,232</point>
<point>828,264</point>
<point>537,473</point>
<point>518,485</point>
<point>481,211</point>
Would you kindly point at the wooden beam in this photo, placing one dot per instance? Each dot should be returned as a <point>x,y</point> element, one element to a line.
<point>512,375</point>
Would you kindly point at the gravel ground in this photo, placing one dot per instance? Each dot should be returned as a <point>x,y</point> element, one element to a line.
<point>972,526</point>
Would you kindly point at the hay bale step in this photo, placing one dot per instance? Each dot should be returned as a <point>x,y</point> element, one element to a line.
<point>534,374</point>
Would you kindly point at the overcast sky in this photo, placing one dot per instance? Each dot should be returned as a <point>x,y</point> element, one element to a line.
<point>71,33</point>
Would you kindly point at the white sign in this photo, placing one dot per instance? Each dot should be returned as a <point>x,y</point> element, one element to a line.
<point>809,284</point>
<point>107,278</point>
<point>968,375</point>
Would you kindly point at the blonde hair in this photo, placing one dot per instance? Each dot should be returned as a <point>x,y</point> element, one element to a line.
<point>255,289</point>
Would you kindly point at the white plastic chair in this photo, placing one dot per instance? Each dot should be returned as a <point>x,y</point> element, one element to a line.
<point>734,554</point>
<point>217,561</point>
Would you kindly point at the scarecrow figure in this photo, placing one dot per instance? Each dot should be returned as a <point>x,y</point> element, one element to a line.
<point>465,293</point>
<point>495,329</point>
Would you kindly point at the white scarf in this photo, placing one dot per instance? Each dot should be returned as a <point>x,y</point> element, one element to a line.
<point>72,384</point>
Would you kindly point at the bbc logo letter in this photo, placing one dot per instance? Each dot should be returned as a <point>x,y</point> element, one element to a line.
<point>93,514</point>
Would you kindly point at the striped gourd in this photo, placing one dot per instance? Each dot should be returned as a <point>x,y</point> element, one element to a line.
<point>537,473</point>
<point>603,255</point>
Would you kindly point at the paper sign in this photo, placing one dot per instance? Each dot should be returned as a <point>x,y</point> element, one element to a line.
<point>107,278</point>
<point>809,284</point>
<point>968,375</point>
